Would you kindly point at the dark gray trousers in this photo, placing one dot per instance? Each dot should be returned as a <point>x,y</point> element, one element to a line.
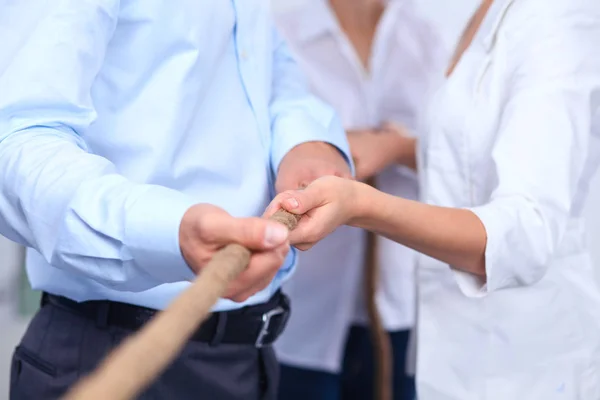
<point>60,347</point>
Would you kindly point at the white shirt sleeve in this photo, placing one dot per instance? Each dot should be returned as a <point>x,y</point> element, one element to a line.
<point>546,125</point>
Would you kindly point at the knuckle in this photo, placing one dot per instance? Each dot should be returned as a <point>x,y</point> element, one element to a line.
<point>245,231</point>
<point>230,294</point>
<point>210,228</point>
<point>208,232</point>
<point>252,230</point>
<point>319,188</point>
<point>274,262</point>
<point>312,237</point>
<point>241,298</point>
<point>265,284</point>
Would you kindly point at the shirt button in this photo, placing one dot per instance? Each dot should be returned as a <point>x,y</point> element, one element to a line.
<point>244,55</point>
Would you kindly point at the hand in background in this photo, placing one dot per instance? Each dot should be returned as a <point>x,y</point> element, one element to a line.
<point>206,228</point>
<point>309,161</point>
<point>408,148</point>
<point>375,150</point>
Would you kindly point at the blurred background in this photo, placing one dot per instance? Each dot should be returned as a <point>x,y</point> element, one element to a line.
<point>18,302</point>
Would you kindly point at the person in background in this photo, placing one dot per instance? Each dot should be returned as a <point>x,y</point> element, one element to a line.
<point>375,62</point>
<point>136,139</point>
<point>512,141</point>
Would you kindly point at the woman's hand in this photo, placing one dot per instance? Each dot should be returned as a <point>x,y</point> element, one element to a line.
<point>452,235</point>
<point>326,204</point>
<point>407,145</point>
<point>372,151</point>
<point>375,150</point>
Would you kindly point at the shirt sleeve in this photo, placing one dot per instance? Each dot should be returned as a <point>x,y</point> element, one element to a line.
<point>74,207</point>
<point>296,115</point>
<point>541,147</point>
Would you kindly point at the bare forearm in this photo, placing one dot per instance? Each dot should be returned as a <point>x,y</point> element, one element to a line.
<point>408,153</point>
<point>403,143</point>
<point>402,148</point>
<point>454,236</point>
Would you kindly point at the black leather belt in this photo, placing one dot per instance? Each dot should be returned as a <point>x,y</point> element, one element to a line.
<point>258,325</point>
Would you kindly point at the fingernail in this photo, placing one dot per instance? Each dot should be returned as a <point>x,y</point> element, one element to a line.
<point>292,203</point>
<point>275,234</point>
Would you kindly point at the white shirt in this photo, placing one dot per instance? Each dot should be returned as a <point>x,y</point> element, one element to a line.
<point>513,135</point>
<point>406,60</point>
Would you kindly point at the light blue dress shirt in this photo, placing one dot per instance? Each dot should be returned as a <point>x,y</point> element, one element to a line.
<point>117,116</point>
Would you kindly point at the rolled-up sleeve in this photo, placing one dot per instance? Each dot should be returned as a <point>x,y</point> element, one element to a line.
<point>74,207</point>
<point>540,150</point>
<point>296,115</point>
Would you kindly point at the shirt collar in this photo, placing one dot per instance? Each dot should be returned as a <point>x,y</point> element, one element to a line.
<point>492,22</point>
<point>314,20</point>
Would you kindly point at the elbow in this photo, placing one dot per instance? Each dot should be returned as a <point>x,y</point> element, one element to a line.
<point>477,266</point>
<point>522,239</point>
<point>522,258</point>
<point>503,266</point>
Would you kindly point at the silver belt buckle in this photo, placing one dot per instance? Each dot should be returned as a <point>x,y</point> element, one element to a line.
<point>266,322</point>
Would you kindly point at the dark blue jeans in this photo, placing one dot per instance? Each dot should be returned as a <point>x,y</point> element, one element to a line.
<point>356,380</point>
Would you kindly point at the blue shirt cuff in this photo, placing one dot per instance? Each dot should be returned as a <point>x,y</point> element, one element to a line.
<point>293,130</point>
<point>152,234</point>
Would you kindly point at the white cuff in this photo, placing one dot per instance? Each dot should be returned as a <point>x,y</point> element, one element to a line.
<point>291,131</point>
<point>470,285</point>
<point>152,234</point>
<point>496,278</point>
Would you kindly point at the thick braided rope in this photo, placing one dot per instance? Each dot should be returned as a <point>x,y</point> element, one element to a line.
<point>132,367</point>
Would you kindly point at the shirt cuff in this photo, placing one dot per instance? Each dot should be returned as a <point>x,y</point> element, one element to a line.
<point>497,278</point>
<point>291,131</point>
<point>289,266</point>
<point>470,285</point>
<point>152,234</point>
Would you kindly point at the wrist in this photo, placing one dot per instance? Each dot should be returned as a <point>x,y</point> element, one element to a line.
<point>317,150</point>
<point>318,147</point>
<point>360,206</point>
<point>407,151</point>
<point>403,144</point>
<point>330,151</point>
<point>393,144</point>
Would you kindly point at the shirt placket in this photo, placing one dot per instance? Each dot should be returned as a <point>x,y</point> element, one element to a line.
<point>247,68</point>
<point>360,75</point>
<point>379,52</point>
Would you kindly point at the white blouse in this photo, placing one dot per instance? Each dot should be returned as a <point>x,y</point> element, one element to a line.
<point>514,136</point>
<point>407,61</point>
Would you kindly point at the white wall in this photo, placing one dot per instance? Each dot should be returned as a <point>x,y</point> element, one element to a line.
<point>11,327</point>
<point>593,222</point>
